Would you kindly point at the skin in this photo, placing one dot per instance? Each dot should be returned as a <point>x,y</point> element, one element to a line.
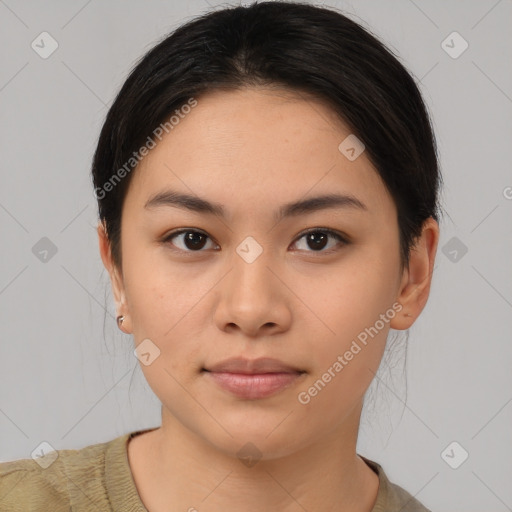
<point>253,150</point>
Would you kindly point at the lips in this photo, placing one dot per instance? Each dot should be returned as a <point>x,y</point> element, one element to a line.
<point>253,379</point>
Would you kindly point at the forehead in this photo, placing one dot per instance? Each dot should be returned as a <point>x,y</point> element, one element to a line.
<point>256,147</point>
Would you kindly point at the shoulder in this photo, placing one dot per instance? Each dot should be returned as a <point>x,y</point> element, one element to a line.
<point>55,481</point>
<point>392,497</point>
<point>22,487</point>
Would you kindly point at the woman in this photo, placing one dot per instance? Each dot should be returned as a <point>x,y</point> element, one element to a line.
<point>267,184</point>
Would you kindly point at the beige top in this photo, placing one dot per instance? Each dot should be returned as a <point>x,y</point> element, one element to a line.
<point>98,478</point>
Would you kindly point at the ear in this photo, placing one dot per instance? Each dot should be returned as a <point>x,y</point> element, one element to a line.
<point>116,278</point>
<point>415,285</point>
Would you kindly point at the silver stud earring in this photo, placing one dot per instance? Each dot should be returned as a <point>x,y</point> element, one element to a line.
<point>120,321</point>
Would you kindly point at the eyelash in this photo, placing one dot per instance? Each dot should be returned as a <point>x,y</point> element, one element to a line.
<point>342,239</point>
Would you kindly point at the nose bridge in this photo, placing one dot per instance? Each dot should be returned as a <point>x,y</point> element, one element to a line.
<point>251,279</point>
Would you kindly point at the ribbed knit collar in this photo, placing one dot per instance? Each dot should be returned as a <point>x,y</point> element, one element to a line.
<point>119,481</point>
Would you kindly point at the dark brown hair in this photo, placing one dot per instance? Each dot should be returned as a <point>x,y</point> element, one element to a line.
<point>304,48</point>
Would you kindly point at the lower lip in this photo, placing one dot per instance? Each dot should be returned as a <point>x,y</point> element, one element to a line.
<point>255,385</point>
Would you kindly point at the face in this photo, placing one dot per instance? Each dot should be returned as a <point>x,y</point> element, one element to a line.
<point>246,280</point>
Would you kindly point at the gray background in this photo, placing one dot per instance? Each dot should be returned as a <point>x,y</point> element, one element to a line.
<point>68,375</point>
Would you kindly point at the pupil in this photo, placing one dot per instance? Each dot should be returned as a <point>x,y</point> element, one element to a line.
<point>192,240</point>
<point>313,237</point>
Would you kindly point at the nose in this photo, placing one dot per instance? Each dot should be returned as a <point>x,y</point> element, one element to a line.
<point>253,298</point>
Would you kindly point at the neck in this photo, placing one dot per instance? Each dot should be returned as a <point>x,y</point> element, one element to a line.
<point>175,469</point>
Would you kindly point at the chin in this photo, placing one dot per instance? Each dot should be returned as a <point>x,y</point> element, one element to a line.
<point>254,437</point>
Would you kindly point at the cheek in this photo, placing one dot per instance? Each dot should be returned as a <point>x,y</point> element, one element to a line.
<point>165,306</point>
<point>352,297</point>
<point>353,314</point>
<point>345,362</point>
<point>159,294</point>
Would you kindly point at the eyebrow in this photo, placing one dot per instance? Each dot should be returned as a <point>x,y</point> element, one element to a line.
<point>296,208</point>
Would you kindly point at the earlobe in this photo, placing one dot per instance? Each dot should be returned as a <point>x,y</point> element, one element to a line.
<point>416,280</point>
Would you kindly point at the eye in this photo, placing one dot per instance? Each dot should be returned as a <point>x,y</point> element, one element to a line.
<point>317,239</point>
<point>192,241</point>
